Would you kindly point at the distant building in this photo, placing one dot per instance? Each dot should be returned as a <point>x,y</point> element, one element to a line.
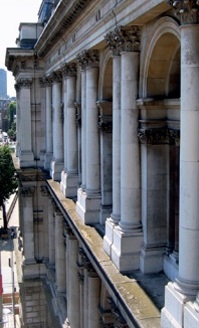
<point>3,83</point>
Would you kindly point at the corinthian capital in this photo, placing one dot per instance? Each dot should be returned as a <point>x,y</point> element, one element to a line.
<point>123,39</point>
<point>24,83</point>
<point>69,70</point>
<point>186,10</point>
<point>88,58</point>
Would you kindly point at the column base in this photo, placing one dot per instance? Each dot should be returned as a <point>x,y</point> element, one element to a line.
<point>47,161</point>
<point>26,158</point>
<point>108,237</point>
<point>69,184</point>
<point>172,314</point>
<point>105,212</point>
<point>151,259</point>
<point>125,250</point>
<point>55,170</point>
<point>191,316</point>
<point>88,206</point>
<point>170,267</point>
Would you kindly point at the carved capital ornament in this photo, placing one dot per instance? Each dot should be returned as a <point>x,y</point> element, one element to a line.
<point>123,39</point>
<point>187,11</point>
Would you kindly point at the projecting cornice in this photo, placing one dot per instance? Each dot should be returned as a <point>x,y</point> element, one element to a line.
<point>65,14</point>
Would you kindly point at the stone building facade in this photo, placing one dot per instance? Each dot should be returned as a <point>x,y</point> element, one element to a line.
<point>108,162</point>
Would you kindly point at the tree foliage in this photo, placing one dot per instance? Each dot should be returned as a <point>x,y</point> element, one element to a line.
<point>8,179</point>
<point>11,113</point>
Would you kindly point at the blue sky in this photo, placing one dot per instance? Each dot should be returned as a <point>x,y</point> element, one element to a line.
<point>12,13</point>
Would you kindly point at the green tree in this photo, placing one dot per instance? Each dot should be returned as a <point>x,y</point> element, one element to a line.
<point>11,113</point>
<point>8,179</point>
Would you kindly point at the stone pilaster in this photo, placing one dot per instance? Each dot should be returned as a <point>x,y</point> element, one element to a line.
<point>49,141</point>
<point>69,176</point>
<point>88,202</point>
<point>28,227</point>
<point>57,161</point>
<point>51,234</point>
<point>17,149</point>
<point>60,267</point>
<point>73,284</point>
<point>129,231</point>
<point>26,156</point>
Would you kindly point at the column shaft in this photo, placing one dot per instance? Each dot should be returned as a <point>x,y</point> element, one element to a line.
<point>116,137</point>
<point>57,123</point>
<point>83,130</point>
<point>51,234</point>
<point>73,283</point>
<point>92,134</point>
<point>59,254</point>
<point>29,253</point>
<point>130,157</point>
<point>71,127</point>
<point>189,158</point>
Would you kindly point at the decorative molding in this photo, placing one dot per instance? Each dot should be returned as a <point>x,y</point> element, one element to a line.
<point>24,83</point>
<point>27,191</point>
<point>123,39</point>
<point>88,58</point>
<point>187,11</point>
<point>44,191</point>
<point>159,136</point>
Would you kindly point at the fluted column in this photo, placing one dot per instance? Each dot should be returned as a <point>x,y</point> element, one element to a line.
<point>187,283</point>
<point>26,155</point>
<point>49,140</point>
<point>60,268</point>
<point>28,231</point>
<point>112,39</point>
<point>129,230</point>
<point>69,180</point>
<point>88,203</point>
<point>57,161</point>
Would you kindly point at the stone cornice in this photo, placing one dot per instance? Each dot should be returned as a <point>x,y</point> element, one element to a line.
<point>123,39</point>
<point>88,58</point>
<point>186,10</point>
<point>65,15</point>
